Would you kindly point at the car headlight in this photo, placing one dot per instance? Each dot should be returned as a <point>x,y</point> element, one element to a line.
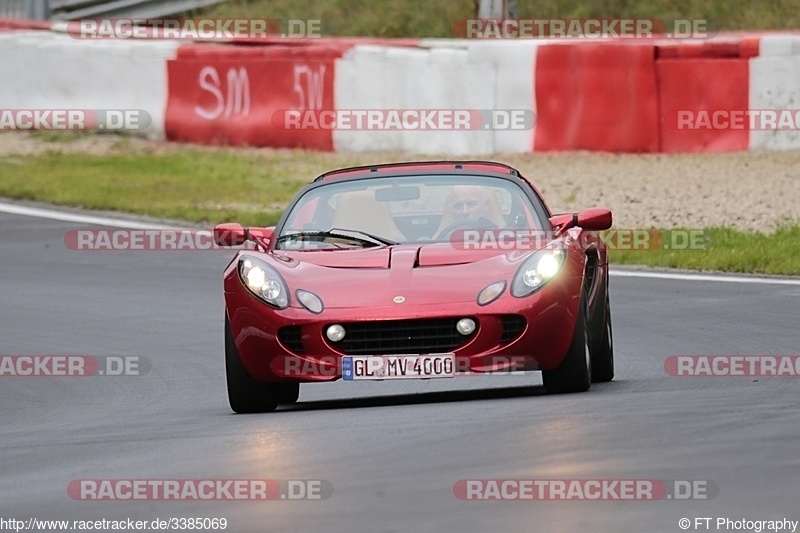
<point>264,282</point>
<point>536,271</point>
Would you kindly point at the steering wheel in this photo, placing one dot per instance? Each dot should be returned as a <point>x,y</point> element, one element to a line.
<point>467,223</point>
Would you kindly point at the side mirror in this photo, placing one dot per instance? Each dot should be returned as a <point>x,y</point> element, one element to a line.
<point>260,235</point>
<point>561,223</point>
<point>236,235</point>
<point>229,235</point>
<point>595,219</point>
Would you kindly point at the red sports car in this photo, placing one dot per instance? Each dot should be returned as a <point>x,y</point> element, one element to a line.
<point>415,270</point>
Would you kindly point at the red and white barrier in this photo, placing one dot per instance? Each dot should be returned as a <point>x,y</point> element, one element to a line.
<point>606,95</point>
<point>21,25</point>
<point>596,96</point>
<point>376,78</point>
<point>694,85</point>
<point>514,66</point>
<point>775,84</point>
<point>50,70</point>
<point>238,95</point>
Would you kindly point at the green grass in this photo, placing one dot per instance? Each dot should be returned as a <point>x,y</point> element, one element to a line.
<point>435,18</point>
<point>728,250</point>
<point>197,186</point>
<point>59,136</point>
<point>208,186</point>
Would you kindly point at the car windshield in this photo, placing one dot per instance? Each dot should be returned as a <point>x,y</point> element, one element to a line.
<point>404,210</point>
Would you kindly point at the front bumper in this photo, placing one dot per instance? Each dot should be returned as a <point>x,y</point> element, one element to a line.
<point>540,343</point>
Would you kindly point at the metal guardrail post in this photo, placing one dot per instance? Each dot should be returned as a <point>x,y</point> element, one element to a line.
<point>64,9</point>
<point>25,9</point>
<point>42,9</point>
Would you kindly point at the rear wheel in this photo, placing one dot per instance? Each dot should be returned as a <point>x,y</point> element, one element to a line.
<point>603,355</point>
<point>574,374</point>
<point>245,394</point>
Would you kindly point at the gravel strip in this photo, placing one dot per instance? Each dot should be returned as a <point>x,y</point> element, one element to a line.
<point>746,190</point>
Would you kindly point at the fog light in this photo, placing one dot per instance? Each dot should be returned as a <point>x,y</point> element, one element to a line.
<point>335,333</point>
<point>465,326</point>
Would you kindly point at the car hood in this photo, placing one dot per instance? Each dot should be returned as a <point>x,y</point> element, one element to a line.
<point>439,254</point>
<point>421,274</point>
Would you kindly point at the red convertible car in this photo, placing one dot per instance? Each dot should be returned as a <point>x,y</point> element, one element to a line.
<point>415,270</point>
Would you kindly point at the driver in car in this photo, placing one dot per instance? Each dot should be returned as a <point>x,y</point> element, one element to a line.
<point>467,206</point>
<point>469,202</point>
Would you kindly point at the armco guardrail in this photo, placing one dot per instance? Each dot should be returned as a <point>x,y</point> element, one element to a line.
<point>25,9</point>
<point>78,9</point>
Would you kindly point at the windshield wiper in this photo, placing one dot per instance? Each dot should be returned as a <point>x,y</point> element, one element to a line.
<point>365,238</point>
<point>382,240</point>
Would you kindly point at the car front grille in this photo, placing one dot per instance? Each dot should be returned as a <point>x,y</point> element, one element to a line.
<point>512,327</point>
<point>388,337</point>
<point>291,337</point>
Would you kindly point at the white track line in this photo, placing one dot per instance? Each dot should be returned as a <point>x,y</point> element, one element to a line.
<point>14,209</point>
<point>702,277</point>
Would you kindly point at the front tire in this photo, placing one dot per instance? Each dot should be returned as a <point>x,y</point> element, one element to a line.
<point>603,355</point>
<point>574,374</point>
<point>289,393</point>
<point>245,394</point>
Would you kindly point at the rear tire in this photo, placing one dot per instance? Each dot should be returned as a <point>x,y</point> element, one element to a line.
<point>574,374</point>
<point>603,355</point>
<point>245,394</point>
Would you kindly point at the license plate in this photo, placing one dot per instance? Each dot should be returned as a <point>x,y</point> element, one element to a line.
<point>358,367</point>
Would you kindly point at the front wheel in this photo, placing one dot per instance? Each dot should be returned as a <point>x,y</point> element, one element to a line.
<point>288,393</point>
<point>574,374</point>
<point>603,355</point>
<point>245,394</point>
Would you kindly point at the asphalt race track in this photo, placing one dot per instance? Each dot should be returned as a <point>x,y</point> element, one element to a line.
<point>392,451</point>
